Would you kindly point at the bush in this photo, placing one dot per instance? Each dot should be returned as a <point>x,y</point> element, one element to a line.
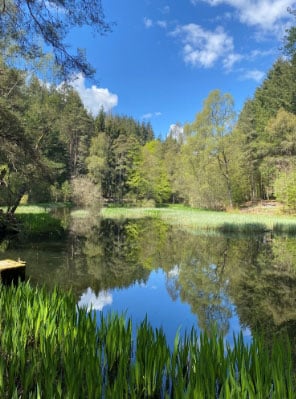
<point>85,193</point>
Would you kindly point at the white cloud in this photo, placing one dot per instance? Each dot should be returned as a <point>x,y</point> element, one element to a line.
<point>166,9</point>
<point>204,48</point>
<point>230,60</point>
<point>150,115</point>
<point>147,116</point>
<point>265,14</point>
<point>94,98</point>
<point>260,53</point>
<point>253,75</point>
<point>162,24</point>
<point>90,300</point>
<point>148,22</point>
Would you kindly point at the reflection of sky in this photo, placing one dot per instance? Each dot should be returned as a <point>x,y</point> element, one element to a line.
<point>96,302</point>
<point>152,299</point>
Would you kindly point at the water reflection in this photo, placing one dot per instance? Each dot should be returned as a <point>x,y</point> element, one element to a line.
<point>91,301</point>
<point>236,282</point>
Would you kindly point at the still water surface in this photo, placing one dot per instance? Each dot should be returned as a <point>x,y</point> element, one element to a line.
<point>178,279</point>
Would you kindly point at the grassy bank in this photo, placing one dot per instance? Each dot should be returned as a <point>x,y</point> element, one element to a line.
<point>36,218</point>
<point>35,221</point>
<point>196,219</point>
<point>51,349</point>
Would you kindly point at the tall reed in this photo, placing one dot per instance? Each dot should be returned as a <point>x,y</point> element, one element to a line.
<point>50,348</point>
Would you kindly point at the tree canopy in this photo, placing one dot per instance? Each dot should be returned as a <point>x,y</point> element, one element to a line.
<point>27,26</point>
<point>290,38</point>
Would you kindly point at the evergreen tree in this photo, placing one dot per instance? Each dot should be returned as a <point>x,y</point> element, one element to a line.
<point>26,25</point>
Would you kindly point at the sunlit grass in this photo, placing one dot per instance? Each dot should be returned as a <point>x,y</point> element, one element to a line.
<point>190,218</point>
<point>28,209</point>
<point>49,348</point>
<point>39,208</point>
<point>209,220</point>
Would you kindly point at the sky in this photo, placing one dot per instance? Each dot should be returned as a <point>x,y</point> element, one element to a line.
<point>164,57</point>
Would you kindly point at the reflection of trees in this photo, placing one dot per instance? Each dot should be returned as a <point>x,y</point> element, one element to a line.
<point>264,290</point>
<point>263,284</point>
<point>105,254</point>
<point>258,274</point>
<point>109,252</point>
<point>202,281</point>
<point>204,288</point>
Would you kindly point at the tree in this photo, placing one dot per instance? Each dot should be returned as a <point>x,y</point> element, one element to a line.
<point>86,194</point>
<point>285,189</point>
<point>260,145</point>
<point>172,163</point>
<point>97,160</point>
<point>124,149</point>
<point>209,146</point>
<point>290,38</point>
<point>277,91</point>
<point>20,161</point>
<point>76,130</point>
<point>24,22</point>
<point>123,137</point>
<point>149,180</point>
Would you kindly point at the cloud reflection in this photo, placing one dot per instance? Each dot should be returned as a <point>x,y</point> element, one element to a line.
<point>90,300</point>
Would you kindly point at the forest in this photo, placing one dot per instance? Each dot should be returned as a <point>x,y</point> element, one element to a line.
<point>53,150</point>
<point>51,147</point>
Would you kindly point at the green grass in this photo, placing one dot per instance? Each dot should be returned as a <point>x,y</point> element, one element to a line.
<point>196,219</point>
<point>49,348</point>
<point>36,221</point>
<point>181,216</point>
<point>39,225</point>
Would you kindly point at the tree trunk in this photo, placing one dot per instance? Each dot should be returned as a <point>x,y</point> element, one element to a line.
<point>11,209</point>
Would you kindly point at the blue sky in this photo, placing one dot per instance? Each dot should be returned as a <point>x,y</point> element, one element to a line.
<point>164,57</point>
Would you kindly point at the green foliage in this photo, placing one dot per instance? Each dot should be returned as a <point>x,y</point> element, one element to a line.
<point>49,348</point>
<point>66,191</point>
<point>40,225</point>
<point>85,194</point>
<point>26,26</point>
<point>290,38</point>
<point>285,189</point>
<point>211,154</point>
<point>267,128</point>
<point>47,138</point>
<point>149,180</point>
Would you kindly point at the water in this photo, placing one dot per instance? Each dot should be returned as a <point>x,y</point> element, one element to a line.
<point>178,279</point>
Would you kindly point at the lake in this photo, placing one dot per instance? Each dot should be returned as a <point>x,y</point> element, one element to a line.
<point>179,279</point>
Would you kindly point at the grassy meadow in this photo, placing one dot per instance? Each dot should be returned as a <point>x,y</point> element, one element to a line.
<point>203,220</point>
<point>50,348</point>
<point>36,218</point>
